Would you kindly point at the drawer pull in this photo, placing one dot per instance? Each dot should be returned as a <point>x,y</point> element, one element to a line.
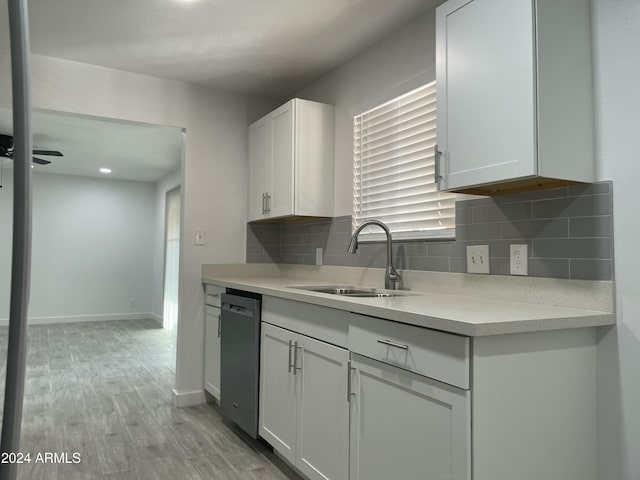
<point>395,345</point>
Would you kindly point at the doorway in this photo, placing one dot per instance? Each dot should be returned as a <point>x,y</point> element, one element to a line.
<point>171,260</point>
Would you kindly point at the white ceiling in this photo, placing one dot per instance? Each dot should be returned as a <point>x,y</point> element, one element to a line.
<point>266,47</point>
<point>133,151</point>
<point>263,47</point>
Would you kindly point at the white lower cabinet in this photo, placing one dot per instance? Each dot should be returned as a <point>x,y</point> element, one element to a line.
<point>304,409</point>
<point>411,407</point>
<point>406,426</point>
<point>212,300</point>
<point>323,411</point>
<point>278,391</point>
<point>212,351</point>
<point>410,404</point>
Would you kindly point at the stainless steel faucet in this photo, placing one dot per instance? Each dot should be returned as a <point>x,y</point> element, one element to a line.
<point>391,276</point>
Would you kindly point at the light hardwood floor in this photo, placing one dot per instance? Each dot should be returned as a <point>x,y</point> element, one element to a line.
<point>102,389</point>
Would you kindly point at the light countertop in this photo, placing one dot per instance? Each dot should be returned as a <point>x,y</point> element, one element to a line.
<point>451,312</point>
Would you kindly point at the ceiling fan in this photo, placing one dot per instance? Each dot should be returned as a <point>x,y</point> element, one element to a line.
<point>6,151</point>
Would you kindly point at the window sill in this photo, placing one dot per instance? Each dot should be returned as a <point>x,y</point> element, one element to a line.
<point>399,238</point>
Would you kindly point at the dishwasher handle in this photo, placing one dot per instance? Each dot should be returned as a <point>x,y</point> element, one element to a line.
<point>237,309</point>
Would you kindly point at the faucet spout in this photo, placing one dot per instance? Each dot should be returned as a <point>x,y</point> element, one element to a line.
<point>391,276</point>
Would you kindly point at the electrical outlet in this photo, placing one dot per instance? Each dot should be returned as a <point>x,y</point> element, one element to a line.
<point>478,259</point>
<point>132,303</point>
<point>319,256</point>
<point>519,263</point>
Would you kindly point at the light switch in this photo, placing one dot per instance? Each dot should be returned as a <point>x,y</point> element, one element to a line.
<point>201,238</point>
<point>478,259</point>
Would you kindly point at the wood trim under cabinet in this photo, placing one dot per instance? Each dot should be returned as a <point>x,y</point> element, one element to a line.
<point>517,186</point>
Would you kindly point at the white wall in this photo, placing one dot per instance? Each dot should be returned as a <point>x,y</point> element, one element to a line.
<point>617,77</point>
<point>91,253</point>
<point>169,182</point>
<point>400,62</point>
<point>214,169</point>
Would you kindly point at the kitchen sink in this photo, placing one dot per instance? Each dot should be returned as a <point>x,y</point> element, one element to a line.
<point>362,292</point>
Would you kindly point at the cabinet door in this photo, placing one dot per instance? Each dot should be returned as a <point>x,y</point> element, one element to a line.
<point>212,352</point>
<point>486,91</point>
<point>281,193</point>
<point>260,166</point>
<point>407,426</point>
<point>278,401</point>
<point>323,411</point>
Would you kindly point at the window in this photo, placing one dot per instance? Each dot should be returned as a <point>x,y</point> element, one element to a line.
<point>393,169</point>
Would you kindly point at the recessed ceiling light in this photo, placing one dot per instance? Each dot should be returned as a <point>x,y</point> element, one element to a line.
<point>105,170</point>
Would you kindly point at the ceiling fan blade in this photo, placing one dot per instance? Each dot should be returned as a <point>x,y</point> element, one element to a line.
<point>41,161</point>
<point>53,153</point>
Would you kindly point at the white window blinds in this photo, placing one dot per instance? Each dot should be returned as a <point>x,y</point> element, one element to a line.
<point>393,169</point>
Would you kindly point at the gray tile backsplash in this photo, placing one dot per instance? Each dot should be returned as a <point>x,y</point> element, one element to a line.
<point>569,232</point>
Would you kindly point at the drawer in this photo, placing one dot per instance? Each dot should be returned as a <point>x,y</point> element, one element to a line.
<point>438,355</point>
<point>212,294</point>
<point>322,323</point>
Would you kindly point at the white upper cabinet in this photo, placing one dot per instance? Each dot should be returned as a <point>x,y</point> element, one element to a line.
<point>515,108</point>
<point>281,191</point>
<point>291,153</point>
<point>260,165</point>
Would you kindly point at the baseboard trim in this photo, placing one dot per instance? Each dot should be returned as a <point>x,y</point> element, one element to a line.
<point>188,399</point>
<point>157,317</point>
<point>213,391</point>
<point>83,318</point>
<point>211,399</point>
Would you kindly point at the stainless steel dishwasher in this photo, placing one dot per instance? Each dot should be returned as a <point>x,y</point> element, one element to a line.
<point>240,359</point>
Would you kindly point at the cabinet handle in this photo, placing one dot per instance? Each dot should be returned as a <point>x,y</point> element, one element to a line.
<point>349,392</point>
<point>295,358</point>
<point>219,326</point>
<point>392,344</point>
<point>264,203</point>
<point>290,344</point>
<point>436,165</point>
<point>268,203</point>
